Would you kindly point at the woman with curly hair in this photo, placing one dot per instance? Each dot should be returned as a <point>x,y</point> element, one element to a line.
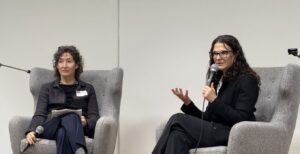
<point>232,96</point>
<point>66,92</point>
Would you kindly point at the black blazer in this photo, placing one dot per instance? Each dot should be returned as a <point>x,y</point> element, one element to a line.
<point>235,103</point>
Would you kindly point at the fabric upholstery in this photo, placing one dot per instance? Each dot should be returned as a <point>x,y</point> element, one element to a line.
<point>277,110</point>
<point>108,88</point>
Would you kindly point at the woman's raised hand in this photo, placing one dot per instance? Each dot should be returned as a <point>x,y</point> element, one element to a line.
<point>184,97</point>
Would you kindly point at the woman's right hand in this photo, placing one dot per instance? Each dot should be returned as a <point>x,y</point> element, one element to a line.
<point>30,137</point>
<point>184,97</point>
<point>83,121</point>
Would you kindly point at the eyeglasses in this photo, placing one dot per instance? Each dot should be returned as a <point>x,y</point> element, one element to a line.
<point>222,54</point>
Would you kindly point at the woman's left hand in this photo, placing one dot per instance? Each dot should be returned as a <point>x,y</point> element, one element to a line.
<point>209,93</point>
<point>83,121</point>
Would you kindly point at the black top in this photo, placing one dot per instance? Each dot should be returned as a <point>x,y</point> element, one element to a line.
<point>70,91</point>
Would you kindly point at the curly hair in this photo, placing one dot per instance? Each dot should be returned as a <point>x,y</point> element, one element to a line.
<point>76,56</point>
<point>240,66</point>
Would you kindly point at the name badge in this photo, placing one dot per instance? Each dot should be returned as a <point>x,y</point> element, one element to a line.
<point>81,93</point>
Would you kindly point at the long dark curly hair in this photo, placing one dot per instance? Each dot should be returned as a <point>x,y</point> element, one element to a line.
<point>76,56</point>
<point>240,66</point>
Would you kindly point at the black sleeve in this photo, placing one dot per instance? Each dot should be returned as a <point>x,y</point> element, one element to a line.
<point>243,108</point>
<point>92,112</point>
<point>192,109</point>
<point>41,111</point>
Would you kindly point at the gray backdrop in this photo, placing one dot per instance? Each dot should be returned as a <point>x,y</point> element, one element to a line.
<point>163,44</point>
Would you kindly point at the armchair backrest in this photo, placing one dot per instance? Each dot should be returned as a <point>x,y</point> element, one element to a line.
<point>269,92</point>
<point>279,98</point>
<point>107,84</point>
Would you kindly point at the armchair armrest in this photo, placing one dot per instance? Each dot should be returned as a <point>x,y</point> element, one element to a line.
<point>105,135</point>
<point>257,137</point>
<point>17,128</point>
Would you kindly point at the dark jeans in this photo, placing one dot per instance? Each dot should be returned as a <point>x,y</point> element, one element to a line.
<point>68,132</point>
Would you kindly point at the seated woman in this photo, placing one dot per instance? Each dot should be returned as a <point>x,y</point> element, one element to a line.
<point>66,92</point>
<point>232,97</point>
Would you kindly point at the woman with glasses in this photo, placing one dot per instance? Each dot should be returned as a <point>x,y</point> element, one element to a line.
<point>232,97</point>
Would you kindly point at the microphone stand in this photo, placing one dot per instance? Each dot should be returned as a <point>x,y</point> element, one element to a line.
<point>27,71</point>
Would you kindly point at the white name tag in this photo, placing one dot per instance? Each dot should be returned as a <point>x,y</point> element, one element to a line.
<point>81,93</point>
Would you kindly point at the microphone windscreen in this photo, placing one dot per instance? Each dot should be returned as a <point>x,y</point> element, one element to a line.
<point>214,68</point>
<point>39,130</point>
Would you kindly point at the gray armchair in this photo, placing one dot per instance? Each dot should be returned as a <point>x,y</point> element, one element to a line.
<point>108,88</point>
<point>276,114</point>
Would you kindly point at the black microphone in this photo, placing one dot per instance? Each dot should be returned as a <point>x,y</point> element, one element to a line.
<point>24,144</point>
<point>213,70</point>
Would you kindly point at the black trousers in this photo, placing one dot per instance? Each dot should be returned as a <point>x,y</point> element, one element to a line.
<point>182,133</point>
<point>68,132</point>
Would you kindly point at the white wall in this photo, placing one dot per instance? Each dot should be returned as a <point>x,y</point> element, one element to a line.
<point>31,31</point>
<point>163,44</point>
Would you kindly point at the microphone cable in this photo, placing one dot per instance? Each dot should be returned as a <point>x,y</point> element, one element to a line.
<point>213,70</point>
<point>201,126</point>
